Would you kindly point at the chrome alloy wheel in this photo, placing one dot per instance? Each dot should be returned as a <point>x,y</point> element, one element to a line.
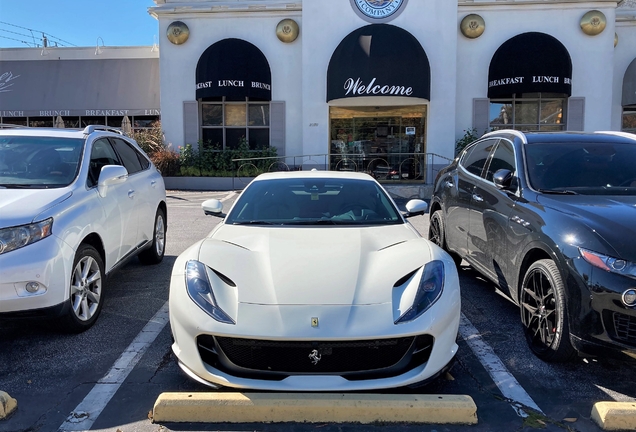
<point>160,235</point>
<point>86,288</point>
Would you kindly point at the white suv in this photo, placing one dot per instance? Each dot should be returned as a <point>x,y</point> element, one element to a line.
<point>74,206</point>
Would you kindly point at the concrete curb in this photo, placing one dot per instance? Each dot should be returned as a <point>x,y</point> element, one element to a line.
<point>615,415</point>
<point>313,408</point>
<point>7,405</point>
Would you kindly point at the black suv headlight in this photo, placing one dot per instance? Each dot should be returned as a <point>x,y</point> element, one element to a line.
<point>608,263</point>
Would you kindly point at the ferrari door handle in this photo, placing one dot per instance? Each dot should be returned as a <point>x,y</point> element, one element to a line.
<point>131,193</point>
<point>153,183</point>
<point>449,183</point>
<point>478,198</point>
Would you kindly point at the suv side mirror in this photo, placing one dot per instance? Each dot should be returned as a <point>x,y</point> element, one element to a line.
<point>110,175</point>
<point>503,179</point>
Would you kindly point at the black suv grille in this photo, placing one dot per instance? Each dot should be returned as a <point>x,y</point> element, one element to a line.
<point>625,328</point>
<point>353,359</point>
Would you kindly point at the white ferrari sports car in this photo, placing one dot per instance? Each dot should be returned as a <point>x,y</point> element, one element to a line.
<point>314,281</point>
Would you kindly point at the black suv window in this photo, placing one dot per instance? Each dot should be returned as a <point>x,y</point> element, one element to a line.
<point>102,154</point>
<point>503,158</point>
<point>476,156</point>
<point>129,156</point>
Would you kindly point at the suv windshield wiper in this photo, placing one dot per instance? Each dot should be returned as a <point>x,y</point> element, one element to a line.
<point>558,192</point>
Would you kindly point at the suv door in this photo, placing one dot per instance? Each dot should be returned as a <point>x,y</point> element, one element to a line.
<point>490,209</point>
<point>458,191</point>
<point>144,182</point>
<point>120,219</point>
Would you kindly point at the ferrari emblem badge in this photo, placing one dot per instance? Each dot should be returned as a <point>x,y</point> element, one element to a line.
<point>314,321</point>
<point>315,357</point>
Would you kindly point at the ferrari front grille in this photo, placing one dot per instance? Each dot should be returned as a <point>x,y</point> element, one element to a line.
<point>362,359</point>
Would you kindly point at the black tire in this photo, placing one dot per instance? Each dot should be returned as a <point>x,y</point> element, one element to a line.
<point>86,290</point>
<point>154,254</point>
<point>437,234</point>
<point>544,313</point>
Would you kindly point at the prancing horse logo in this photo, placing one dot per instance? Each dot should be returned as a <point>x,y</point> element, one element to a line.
<point>315,357</point>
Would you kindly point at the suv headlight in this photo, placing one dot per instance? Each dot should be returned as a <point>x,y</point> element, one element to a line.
<point>200,291</point>
<point>16,237</point>
<point>608,263</point>
<point>429,290</point>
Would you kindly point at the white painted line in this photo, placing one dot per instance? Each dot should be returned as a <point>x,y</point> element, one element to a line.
<point>504,380</point>
<point>85,414</point>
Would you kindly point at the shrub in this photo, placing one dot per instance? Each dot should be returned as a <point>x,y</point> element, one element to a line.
<point>212,161</point>
<point>150,140</point>
<point>470,135</point>
<point>166,161</point>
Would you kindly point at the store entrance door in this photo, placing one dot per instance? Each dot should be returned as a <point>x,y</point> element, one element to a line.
<point>388,143</point>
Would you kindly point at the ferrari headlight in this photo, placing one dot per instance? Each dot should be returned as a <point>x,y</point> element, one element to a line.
<point>608,263</point>
<point>200,291</point>
<point>16,237</point>
<point>429,290</point>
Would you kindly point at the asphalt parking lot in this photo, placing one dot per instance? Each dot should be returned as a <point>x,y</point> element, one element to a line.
<point>110,377</point>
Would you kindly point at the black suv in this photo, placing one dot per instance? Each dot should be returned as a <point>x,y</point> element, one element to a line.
<point>551,219</point>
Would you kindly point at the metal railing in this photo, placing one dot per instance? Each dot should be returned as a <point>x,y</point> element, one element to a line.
<point>385,167</point>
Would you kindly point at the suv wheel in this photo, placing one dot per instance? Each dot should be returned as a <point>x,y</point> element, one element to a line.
<point>437,235</point>
<point>543,313</point>
<point>154,254</point>
<point>86,298</point>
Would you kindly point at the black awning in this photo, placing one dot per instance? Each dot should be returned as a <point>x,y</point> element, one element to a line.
<point>233,68</point>
<point>629,85</point>
<point>379,60</point>
<point>530,63</point>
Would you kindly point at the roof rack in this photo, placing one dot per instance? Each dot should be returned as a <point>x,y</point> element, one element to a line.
<point>514,132</point>
<point>620,134</point>
<point>92,128</point>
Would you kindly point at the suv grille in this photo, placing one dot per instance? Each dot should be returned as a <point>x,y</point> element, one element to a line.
<point>625,328</point>
<point>278,359</point>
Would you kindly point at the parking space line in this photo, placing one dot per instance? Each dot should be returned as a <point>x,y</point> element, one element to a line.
<point>505,381</point>
<point>85,414</point>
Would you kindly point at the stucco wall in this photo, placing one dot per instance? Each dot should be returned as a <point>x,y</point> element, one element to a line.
<point>592,56</point>
<point>327,22</point>
<point>179,62</point>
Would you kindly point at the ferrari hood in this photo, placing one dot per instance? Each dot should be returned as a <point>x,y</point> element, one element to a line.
<point>314,265</point>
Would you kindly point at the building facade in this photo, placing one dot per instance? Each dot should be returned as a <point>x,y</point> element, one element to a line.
<point>76,87</point>
<point>382,86</point>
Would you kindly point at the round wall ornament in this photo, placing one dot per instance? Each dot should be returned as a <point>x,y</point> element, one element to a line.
<point>378,11</point>
<point>287,30</point>
<point>472,26</point>
<point>178,32</point>
<point>593,22</point>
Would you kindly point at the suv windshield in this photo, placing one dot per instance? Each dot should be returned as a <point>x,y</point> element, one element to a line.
<point>38,162</point>
<point>582,167</point>
<point>317,201</point>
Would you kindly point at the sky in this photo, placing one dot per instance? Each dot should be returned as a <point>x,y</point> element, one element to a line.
<point>77,23</point>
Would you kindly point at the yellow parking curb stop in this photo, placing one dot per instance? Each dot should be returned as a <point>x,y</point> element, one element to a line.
<point>313,408</point>
<point>7,405</point>
<point>615,415</point>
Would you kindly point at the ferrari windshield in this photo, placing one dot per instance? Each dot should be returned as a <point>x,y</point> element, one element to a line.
<point>313,201</point>
<point>582,167</point>
<point>28,162</point>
